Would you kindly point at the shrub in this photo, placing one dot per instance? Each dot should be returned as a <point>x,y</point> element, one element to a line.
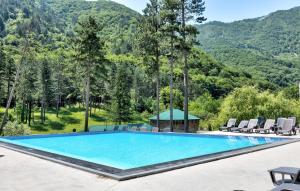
<point>15,129</point>
<point>248,103</point>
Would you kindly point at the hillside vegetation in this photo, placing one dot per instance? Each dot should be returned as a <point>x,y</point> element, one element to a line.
<point>268,47</point>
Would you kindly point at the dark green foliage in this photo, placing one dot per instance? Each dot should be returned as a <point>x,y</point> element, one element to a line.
<point>121,103</point>
<point>90,54</point>
<point>2,69</point>
<point>267,47</point>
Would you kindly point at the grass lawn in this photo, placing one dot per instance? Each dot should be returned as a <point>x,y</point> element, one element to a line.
<point>70,119</point>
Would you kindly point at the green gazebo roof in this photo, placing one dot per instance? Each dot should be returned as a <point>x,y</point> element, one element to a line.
<point>178,115</point>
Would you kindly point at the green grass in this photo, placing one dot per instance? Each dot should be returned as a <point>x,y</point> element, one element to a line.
<point>70,119</point>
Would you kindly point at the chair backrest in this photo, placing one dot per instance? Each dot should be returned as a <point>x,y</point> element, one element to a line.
<point>280,122</point>
<point>167,129</point>
<point>155,129</point>
<point>143,129</point>
<point>269,123</point>
<point>243,124</point>
<point>294,120</point>
<point>116,128</point>
<point>298,178</point>
<point>252,123</point>
<point>133,128</point>
<point>287,125</point>
<point>231,123</point>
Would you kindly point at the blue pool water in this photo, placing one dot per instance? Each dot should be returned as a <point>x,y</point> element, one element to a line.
<point>126,150</point>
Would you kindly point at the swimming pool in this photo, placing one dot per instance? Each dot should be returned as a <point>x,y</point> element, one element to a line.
<point>123,151</point>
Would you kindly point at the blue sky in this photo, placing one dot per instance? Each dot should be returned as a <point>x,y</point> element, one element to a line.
<point>230,10</point>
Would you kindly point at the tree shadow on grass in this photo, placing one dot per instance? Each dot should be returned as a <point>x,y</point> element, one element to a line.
<point>76,109</point>
<point>70,120</point>
<point>56,125</point>
<point>64,112</point>
<point>39,127</point>
<point>99,118</point>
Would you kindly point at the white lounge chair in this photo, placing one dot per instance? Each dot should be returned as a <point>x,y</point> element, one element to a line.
<point>270,123</point>
<point>251,125</point>
<point>243,124</point>
<point>230,124</point>
<point>287,128</point>
<point>155,129</point>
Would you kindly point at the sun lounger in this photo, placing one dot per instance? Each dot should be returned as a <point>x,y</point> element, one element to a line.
<point>279,124</point>
<point>295,126</point>
<point>134,128</point>
<point>251,125</point>
<point>291,184</point>
<point>230,124</point>
<point>167,130</point>
<point>287,128</point>
<point>243,124</point>
<point>155,129</point>
<point>287,187</point>
<point>143,129</point>
<point>267,127</point>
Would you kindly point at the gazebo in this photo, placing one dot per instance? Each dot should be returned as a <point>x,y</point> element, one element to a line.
<point>178,120</point>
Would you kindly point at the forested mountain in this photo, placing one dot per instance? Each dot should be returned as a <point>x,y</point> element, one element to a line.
<point>268,47</point>
<point>118,21</point>
<point>59,46</point>
<point>55,20</point>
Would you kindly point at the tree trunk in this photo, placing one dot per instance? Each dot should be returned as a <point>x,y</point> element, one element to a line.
<point>185,73</point>
<point>29,113</point>
<point>87,99</point>
<point>58,103</point>
<point>23,112</point>
<point>171,83</point>
<point>26,113</point>
<point>10,97</point>
<point>157,92</point>
<point>8,85</point>
<point>91,106</point>
<point>42,111</point>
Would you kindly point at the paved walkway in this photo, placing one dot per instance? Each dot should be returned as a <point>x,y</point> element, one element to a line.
<point>20,172</point>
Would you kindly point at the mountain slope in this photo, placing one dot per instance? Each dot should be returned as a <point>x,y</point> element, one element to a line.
<point>119,22</point>
<point>268,47</point>
<point>55,20</point>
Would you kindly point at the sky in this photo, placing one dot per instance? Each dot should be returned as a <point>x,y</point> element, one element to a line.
<point>230,10</point>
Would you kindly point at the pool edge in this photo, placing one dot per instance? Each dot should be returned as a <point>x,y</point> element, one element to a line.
<point>121,175</point>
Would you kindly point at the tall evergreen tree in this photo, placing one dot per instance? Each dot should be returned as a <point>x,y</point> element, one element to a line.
<point>90,54</point>
<point>24,53</point>
<point>191,11</point>
<point>149,40</point>
<point>121,104</point>
<point>26,88</point>
<point>46,88</point>
<point>3,62</point>
<point>170,16</point>
<point>9,71</point>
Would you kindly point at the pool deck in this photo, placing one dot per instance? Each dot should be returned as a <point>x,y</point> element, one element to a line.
<point>20,172</point>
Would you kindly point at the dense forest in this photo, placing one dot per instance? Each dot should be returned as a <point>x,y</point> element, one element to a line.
<point>102,55</point>
<point>267,47</point>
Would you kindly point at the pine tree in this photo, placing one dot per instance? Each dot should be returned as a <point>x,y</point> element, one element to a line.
<point>149,40</point>
<point>46,88</point>
<point>3,62</point>
<point>26,88</point>
<point>25,51</point>
<point>170,16</point>
<point>121,105</point>
<point>191,10</point>
<point>90,54</point>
